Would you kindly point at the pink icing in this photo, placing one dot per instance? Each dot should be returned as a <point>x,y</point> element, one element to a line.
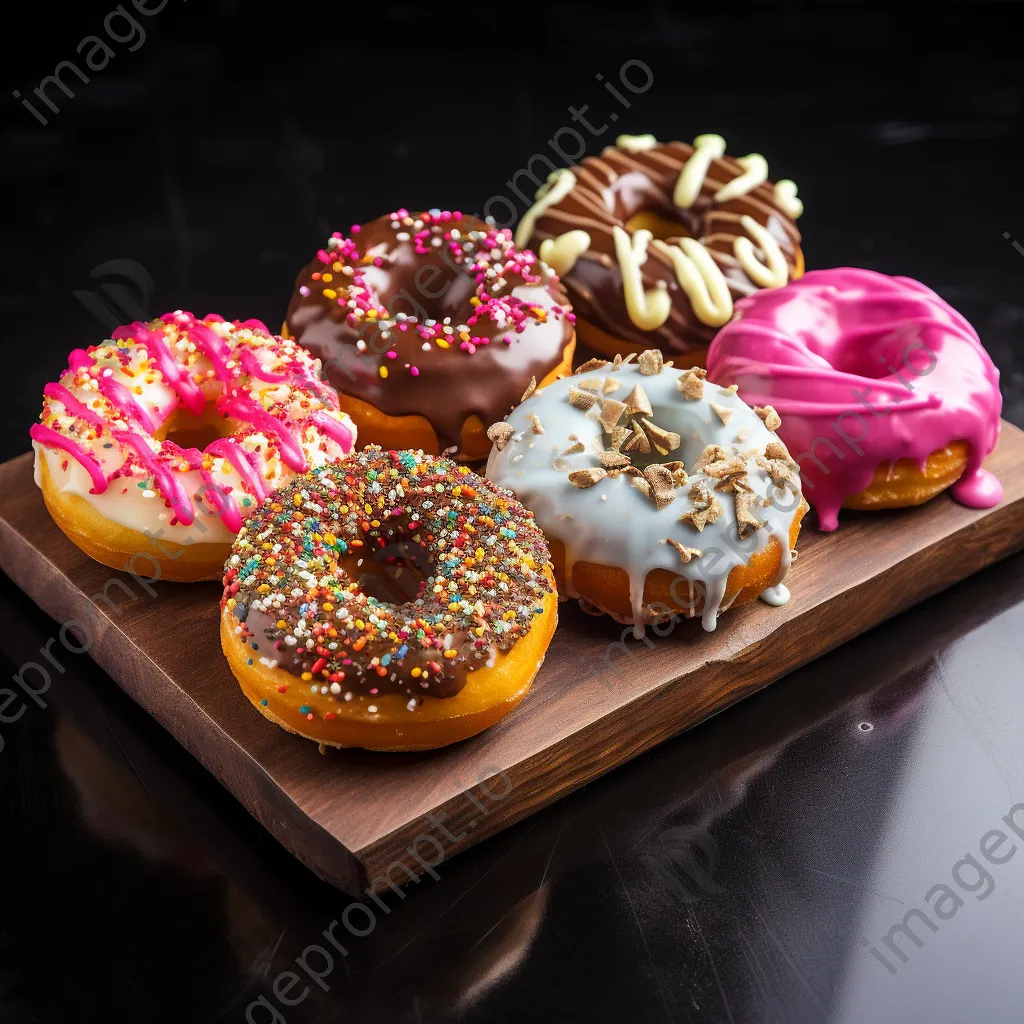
<point>864,369</point>
<point>47,435</point>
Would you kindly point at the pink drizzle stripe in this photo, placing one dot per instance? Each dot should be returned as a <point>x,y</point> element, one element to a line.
<point>228,449</point>
<point>254,368</point>
<point>335,430</point>
<point>50,437</point>
<point>213,347</point>
<point>125,403</point>
<point>171,487</point>
<point>73,406</point>
<point>176,376</point>
<point>243,408</point>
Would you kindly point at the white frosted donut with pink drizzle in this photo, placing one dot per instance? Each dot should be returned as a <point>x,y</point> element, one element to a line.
<point>103,425</point>
<point>865,370</point>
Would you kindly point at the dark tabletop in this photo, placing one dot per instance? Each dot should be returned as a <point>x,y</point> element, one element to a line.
<point>746,871</point>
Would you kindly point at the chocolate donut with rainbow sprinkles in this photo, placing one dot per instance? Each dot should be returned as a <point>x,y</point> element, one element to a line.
<point>654,241</point>
<point>163,439</point>
<point>322,644</point>
<point>660,493</point>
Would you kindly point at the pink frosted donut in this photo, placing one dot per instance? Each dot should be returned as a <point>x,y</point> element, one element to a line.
<point>871,374</point>
<point>164,438</point>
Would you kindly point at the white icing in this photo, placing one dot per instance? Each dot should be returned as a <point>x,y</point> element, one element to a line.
<point>702,280</point>
<point>561,253</point>
<point>776,596</point>
<point>559,184</point>
<point>705,149</point>
<point>636,143</point>
<point>755,172</point>
<point>650,309</point>
<point>786,200</point>
<point>614,524</point>
<point>776,273</point>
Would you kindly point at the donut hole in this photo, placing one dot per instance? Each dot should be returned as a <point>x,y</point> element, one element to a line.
<point>427,288</point>
<point>394,574</point>
<point>190,431</point>
<point>659,225</point>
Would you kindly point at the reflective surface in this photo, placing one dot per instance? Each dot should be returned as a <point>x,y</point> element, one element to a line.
<point>746,871</point>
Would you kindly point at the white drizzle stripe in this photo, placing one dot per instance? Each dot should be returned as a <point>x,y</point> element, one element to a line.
<point>776,273</point>
<point>561,253</point>
<point>648,310</point>
<point>702,280</point>
<point>612,523</point>
<point>705,149</point>
<point>755,172</point>
<point>636,143</point>
<point>786,200</point>
<point>559,184</point>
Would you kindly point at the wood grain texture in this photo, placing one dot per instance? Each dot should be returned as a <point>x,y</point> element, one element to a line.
<point>600,699</point>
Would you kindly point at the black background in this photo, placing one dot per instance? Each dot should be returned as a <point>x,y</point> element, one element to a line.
<point>218,156</point>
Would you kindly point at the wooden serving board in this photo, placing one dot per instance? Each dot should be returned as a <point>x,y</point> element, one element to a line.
<point>357,818</point>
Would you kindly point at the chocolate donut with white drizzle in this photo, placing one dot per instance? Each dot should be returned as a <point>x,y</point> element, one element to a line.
<point>639,466</point>
<point>654,241</point>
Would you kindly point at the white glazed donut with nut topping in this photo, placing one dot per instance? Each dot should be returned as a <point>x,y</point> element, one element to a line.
<point>659,492</point>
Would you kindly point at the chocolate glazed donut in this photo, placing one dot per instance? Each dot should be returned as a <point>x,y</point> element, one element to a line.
<point>654,241</point>
<point>435,316</point>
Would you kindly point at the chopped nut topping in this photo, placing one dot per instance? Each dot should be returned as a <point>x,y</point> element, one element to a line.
<point>638,402</point>
<point>650,362</point>
<point>641,485</point>
<point>637,442</point>
<point>664,440</point>
<point>776,450</point>
<point>623,360</point>
<point>742,434</point>
<point>594,384</point>
<point>500,433</point>
<point>581,399</point>
<point>712,453</point>
<point>611,413</point>
<point>746,521</point>
<point>560,464</point>
<point>769,416</point>
<point>781,472</point>
<point>537,427</point>
<point>691,386</point>
<point>530,390</point>
<point>685,553</point>
<point>706,508</point>
<point>618,437</point>
<point>678,471</point>
<point>613,460</point>
<point>590,364</point>
<point>584,478</point>
<point>730,390</point>
<point>610,384</point>
<point>662,486</point>
<point>721,412</point>
<point>575,448</point>
<point>729,466</point>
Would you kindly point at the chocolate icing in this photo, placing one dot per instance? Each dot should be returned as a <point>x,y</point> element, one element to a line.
<point>617,185</point>
<point>485,376</point>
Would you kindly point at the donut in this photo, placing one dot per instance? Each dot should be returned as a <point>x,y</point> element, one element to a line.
<point>655,241</point>
<point>394,601</point>
<point>161,440</point>
<point>660,493</point>
<point>886,394</point>
<point>431,325</point>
